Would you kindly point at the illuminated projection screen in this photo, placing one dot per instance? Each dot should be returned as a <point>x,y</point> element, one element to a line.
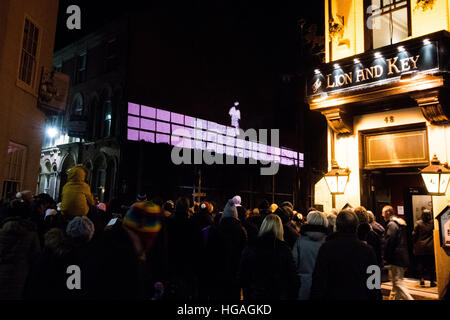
<point>155,125</point>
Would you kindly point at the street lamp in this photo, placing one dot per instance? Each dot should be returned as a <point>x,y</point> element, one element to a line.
<point>52,132</point>
<point>436,177</point>
<point>336,179</point>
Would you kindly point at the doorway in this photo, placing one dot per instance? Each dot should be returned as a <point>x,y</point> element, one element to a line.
<point>405,191</point>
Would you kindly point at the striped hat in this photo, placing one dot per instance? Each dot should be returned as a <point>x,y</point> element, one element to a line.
<point>144,218</point>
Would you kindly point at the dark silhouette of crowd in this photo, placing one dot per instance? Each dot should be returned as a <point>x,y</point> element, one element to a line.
<point>178,250</point>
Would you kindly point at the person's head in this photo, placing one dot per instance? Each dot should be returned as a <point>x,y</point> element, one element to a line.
<point>237,200</point>
<point>283,214</point>
<point>272,224</point>
<point>346,222</point>
<point>387,213</point>
<point>169,206</point>
<point>182,206</point>
<point>317,218</point>
<point>206,207</point>
<point>287,204</point>
<point>362,215</point>
<point>25,196</point>
<point>80,229</point>
<point>371,216</point>
<point>310,209</point>
<point>273,207</point>
<point>144,219</point>
<point>76,174</point>
<point>331,217</point>
<point>426,215</point>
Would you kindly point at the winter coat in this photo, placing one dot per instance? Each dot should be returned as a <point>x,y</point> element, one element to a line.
<point>116,272</point>
<point>423,238</point>
<point>48,276</point>
<point>396,246</point>
<point>224,250</point>
<point>267,271</point>
<point>305,253</point>
<point>290,234</point>
<point>76,194</point>
<point>19,246</point>
<point>373,239</point>
<point>340,272</point>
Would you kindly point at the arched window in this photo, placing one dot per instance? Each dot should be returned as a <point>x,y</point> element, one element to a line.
<point>106,112</point>
<point>107,117</point>
<point>77,107</point>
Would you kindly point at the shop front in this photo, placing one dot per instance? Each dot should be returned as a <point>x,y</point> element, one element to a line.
<point>388,113</point>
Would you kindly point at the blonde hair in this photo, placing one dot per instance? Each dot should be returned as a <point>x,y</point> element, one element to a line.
<point>272,224</point>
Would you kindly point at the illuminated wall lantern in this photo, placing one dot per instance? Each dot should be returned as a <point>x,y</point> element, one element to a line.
<point>337,179</point>
<point>51,132</point>
<point>436,177</point>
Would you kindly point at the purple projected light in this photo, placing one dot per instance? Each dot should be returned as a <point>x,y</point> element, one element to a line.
<point>177,118</point>
<point>162,127</point>
<point>147,136</point>
<point>218,138</point>
<point>162,138</point>
<point>162,115</point>
<point>148,112</point>
<point>147,124</point>
<point>189,121</point>
<point>133,135</point>
<point>133,122</point>
<point>133,108</point>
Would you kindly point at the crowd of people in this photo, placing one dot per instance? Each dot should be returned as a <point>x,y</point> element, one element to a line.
<point>192,251</point>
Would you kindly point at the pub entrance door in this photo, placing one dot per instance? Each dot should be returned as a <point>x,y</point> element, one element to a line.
<point>405,191</point>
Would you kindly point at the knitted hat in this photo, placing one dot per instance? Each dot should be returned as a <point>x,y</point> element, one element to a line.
<point>101,206</point>
<point>144,218</point>
<point>206,206</point>
<point>230,210</point>
<point>80,228</point>
<point>237,200</point>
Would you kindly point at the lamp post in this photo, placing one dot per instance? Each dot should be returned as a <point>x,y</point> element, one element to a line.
<point>436,177</point>
<point>336,179</point>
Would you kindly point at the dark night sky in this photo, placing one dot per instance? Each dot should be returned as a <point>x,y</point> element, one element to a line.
<point>241,46</point>
<point>265,29</point>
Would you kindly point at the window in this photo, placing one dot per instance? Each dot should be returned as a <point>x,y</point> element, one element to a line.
<point>110,55</point>
<point>77,107</point>
<point>14,169</point>
<point>107,116</point>
<point>387,22</point>
<point>80,70</point>
<point>27,68</point>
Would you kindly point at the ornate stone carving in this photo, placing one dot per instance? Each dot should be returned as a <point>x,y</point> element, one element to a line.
<point>434,106</point>
<point>339,120</point>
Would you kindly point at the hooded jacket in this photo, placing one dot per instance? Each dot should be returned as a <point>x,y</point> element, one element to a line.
<point>76,194</point>
<point>396,247</point>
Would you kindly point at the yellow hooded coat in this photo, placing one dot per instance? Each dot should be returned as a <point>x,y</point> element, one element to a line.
<point>76,194</point>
